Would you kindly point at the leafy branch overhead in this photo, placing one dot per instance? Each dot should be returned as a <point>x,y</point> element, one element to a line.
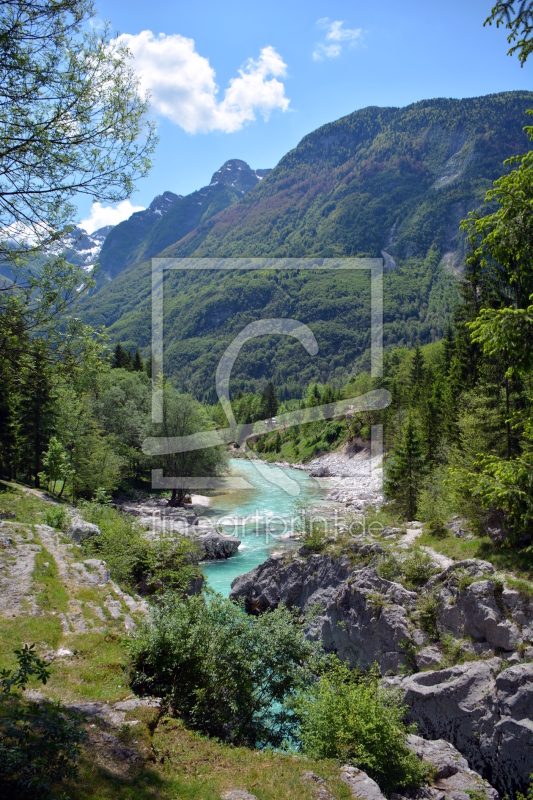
<point>73,121</point>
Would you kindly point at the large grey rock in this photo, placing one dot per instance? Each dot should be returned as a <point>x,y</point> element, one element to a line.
<point>486,714</point>
<point>360,785</point>
<point>78,529</point>
<point>353,611</point>
<point>215,545</point>
<point>452,775</point>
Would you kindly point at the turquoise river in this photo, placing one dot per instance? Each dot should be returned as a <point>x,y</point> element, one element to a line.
<point>259,517</point>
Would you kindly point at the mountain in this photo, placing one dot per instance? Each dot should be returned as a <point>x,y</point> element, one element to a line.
<point>171,216</point>
<point>83,249</point>
<point>391,181</point>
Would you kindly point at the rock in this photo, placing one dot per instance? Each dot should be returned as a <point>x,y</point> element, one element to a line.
<point>479,613</point>
<point>215,545</point>
<point>64,652</point>
<point>238,794</point>
<point>5,542</point>
<point>484,713</point>
<point>452,775</point>
<point>78,529</point>
<point>320,783</point>
<point>428,657</point>
<point>360,784</point>
<point>361,616</point>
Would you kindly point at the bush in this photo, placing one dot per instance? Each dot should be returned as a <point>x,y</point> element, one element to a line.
<point>348,716</point>
<point>417,568</point>
<point>56,518</point>
<point>437,528</point>
<point>133,561</point>
<point>39,742</point>
<point>226,673</point>
<point>529,795</point>
<point>428,607</point>
<point>388,567</point>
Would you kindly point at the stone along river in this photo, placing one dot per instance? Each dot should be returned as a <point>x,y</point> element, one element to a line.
<point>261,517</point>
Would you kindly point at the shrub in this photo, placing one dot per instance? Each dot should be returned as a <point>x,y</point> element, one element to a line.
<point>348,716</point>
<point>133,561</point>
<point>388,567</point>
<point>56,517</point>
<point>529,795</point>
<point>437,528</point>
<point>226,673</point>
<point>417,568</point>
<point>428,607</point>
<point>39,742</point>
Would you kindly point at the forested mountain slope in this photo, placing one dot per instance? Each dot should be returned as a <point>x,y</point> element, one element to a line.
<point>391,180</point>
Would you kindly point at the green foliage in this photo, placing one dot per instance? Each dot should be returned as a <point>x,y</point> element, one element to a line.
<point>29,665</point>
<point>184,416</point>
<point>56,517</point>
<point>417,568</point>
<point>225,673</point>
<point>427,607</point>
<point>169,562</point>
<point>436,527</point>
<point>56,465</point>
<point>405,470</point>
<point>529,794</point>
<point>389,567</point>
<point>39,742</point>
<point>347,715</point>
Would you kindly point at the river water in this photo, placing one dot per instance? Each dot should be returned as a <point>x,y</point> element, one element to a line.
<point>259,517</point>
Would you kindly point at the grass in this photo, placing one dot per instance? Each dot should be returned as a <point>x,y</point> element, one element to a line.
<point>506,559</point>
<point>51,594</point>
<point>182,764</point>
<point>29,509</point>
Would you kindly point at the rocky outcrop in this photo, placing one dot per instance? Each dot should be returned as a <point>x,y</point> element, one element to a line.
<point>484,711</point>
<point>79,530</point>
<point>215,545</point>
<point>451,773</point>
<point>157,517</point>
<point>360,785</point>
<point>361,616</point>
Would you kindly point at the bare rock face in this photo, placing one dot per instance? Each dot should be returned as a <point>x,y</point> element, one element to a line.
<point>361,616</point>
<point>452,774</point>
<point>360,785</point>
<point>78,529</point>
<point>486,714</point>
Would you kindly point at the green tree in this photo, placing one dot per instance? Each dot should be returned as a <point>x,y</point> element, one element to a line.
<point>405,470</point>
<point>183,416</point>
<point>137,363</point>
<point>37,409</point>
<point>56,465</point>
<point>226,673</point>
<point>269,401</point>
<point>73,121</point>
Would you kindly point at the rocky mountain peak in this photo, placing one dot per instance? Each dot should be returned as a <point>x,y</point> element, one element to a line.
<point>238,174</point>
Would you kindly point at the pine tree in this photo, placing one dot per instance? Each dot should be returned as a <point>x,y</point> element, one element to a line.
<point>405,470</point>
<point>449,348</point>
<point>137,365</point>
<point>121,358</point>
<point>417,368</point>
<point>36,411</point>
<point>269,401</point>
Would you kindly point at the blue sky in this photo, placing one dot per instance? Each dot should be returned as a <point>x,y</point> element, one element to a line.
<point>284,68</point>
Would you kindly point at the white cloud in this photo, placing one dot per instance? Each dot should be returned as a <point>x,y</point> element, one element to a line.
<point>182,83</point>
<point>336,34</point>
<point>107,215</point>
